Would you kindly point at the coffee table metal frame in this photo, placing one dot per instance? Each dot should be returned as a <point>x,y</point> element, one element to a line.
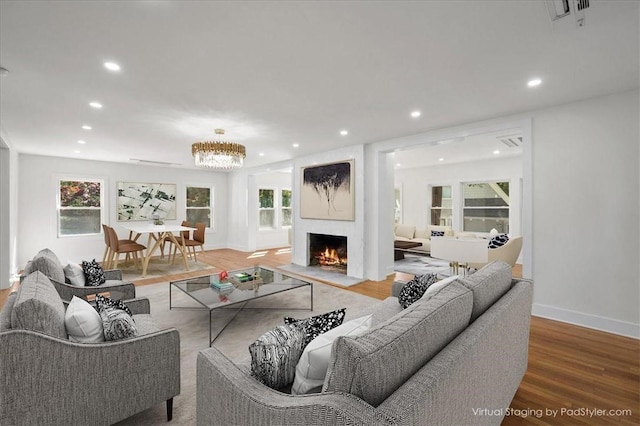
<point>202,283</point>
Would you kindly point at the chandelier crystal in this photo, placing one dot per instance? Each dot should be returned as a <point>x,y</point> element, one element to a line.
<point>218,154</point>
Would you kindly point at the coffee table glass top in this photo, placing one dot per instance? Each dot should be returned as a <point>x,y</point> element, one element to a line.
<point>241,289</point>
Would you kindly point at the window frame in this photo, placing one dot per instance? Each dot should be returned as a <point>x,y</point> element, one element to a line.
<point>464,206</point>
<point>441,207</point>
<point>59,208</point>
<point>274,224</point>
<point>283,208</point>
<point>211,202</point>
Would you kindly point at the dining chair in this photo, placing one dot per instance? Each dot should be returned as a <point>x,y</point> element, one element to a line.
<point>106,258</point>
<point>122,246</point>
<point>191,244</point>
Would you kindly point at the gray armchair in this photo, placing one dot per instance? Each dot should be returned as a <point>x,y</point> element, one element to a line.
<point>48,263</point>
<point>47,379</point>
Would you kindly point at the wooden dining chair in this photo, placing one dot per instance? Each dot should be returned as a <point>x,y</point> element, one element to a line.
<point>106,258</point>
<point>118,247</point>
<point>191,244</point>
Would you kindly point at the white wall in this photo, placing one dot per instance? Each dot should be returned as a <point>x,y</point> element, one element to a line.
<point>416,185</point>
<point>8,213</point>
<point>585,213</point>
<point>37,227</point>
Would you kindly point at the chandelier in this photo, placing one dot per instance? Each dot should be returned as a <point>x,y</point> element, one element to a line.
<point>218,154</point>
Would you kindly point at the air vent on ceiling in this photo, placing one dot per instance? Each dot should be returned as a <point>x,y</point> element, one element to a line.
<point>512,141</point>
<point>561,8</point>
<point>157,163</point>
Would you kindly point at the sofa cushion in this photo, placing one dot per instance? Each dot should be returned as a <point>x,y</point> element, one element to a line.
<point>405,231</point>
<point>83,323</point>
<point>48,263</point>
<point>498,241</point>
<point>275,354</point>
<point>376,363</point>
<point>74,274</point>
<point>5,313</point>
<point>38,307</point>
<point>414,289</point>
<point>93,272</point>
<point>421,233</point>
<point>488,285</point>
<point>117,321</point>
<point>312,366</point>
<point>318,324</point>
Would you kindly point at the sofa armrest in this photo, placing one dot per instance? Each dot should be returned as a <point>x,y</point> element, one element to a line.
<point>119,290</point>
<point>228,396</point>
<point>113,274</point>
<point>396,287</point>
<point>138,306</point>
<point>121,378</point>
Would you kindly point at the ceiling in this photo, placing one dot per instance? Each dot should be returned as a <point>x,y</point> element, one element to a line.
<point>274,74</point>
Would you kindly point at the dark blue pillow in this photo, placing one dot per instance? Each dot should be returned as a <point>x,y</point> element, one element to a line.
<point>414,289</point>
<point>498,241</point>
<point>437,233</point>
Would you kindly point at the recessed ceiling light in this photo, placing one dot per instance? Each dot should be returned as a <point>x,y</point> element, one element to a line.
<point>112,66</point>
<point>82,142</point>
<point>398,164</point>
<point>496,152</point>
<point>535,82</point>
<point>261,154</point>
<point>295,145</point>
<point>86,127</point>
<point>440,159</point>
<point>344,132</point>
<point>96,105</point>
<point>76,151</point>
<point>416,114</point>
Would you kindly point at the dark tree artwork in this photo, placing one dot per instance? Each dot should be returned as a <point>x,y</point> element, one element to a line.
<point>332,185</point>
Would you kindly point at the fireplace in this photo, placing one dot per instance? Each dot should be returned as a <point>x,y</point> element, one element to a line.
<point>328,252</point>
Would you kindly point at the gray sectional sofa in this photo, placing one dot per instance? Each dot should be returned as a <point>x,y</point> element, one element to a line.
<point>445,360</point>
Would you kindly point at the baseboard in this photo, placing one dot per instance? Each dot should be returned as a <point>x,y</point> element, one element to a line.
<point>608,325</point>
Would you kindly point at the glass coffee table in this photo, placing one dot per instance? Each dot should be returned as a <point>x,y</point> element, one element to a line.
<point>241,287</point>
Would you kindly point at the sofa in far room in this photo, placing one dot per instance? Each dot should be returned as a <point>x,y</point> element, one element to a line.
<point>458,351</point>
<point>403,232</point>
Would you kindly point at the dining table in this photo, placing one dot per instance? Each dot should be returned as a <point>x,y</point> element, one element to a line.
<point>157,236</point>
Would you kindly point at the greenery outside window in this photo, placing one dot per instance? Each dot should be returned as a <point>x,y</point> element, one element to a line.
<point>285,207</point>
<point>266,208</point>
<point>486,207</point>
<point>80,205</point>
<point>441,207</point>
<point>199,205</point>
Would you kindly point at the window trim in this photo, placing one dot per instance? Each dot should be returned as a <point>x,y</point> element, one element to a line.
<point>103,203</point>
<point>211,188</point>
<point>465,207</point>
<point>282,208</point>
<point>275,222</point>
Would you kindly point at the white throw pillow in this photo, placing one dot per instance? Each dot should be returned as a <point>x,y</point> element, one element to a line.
<point>75,274</point>
<point>312,366</point>
<point>83,322</point>
<point>436,287</point>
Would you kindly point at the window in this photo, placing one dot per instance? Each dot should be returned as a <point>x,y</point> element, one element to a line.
<point>199,205</point>
<point>441,211</point>
<point>267,211</point>
<point>80,205</point>
<point>486,206</point>
<point>285,207</point>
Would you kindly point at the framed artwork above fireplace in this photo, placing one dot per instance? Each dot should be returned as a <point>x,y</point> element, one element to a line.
<point>327,191</point>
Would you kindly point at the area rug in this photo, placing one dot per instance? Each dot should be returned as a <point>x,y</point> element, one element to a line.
<point>234,342</point>
<point>418,265</point>
<point>159,267</point>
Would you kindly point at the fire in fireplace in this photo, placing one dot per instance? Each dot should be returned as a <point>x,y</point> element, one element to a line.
<point>328,251</point>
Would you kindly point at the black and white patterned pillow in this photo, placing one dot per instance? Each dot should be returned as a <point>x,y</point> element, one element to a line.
<point>316,325</point>
<point>117,321</point>
<point>275,354</point>
<point>414,289</point>
<point>93,273</point>
<point>437,233</point>
<point>498,241</point>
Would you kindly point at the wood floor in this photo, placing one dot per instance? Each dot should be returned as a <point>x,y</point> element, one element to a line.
<point>575,376</point>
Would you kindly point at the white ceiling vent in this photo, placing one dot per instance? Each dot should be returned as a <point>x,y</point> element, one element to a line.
<point>561,8</point>
<point>512,141</point>
<point>156,163</point>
